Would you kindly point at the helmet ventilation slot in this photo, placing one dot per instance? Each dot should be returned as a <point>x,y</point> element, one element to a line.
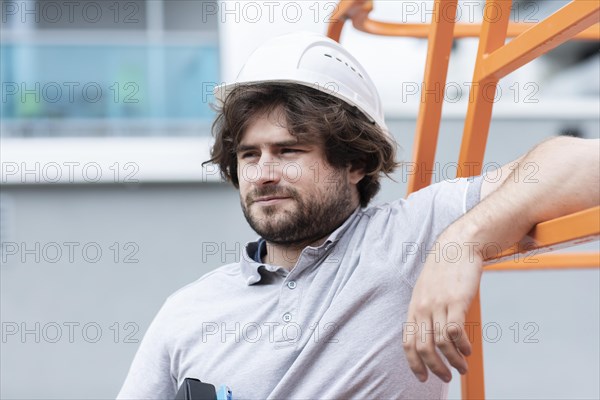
<point>347,65</point>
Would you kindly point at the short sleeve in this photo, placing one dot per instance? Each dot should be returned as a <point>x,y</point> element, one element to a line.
<point>426,214</point>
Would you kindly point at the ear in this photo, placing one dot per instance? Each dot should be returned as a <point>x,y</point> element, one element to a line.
<point>355,173</point>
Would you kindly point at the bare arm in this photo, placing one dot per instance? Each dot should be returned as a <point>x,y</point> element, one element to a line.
<point>566,181</point>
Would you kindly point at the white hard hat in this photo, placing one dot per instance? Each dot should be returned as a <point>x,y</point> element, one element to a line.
<point>312,60</point>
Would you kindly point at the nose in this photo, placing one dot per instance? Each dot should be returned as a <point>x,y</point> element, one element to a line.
<point>269,169</point>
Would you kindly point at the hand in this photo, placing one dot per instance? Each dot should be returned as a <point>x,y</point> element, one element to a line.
<point>436,314</point>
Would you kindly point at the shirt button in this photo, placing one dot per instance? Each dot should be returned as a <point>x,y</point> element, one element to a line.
<point>287,317</point>
<point>291,284</point>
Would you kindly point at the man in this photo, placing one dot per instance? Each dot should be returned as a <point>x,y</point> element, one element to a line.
<point>316,306</point>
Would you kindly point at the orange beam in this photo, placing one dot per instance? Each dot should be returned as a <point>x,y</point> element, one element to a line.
<point>541,38</point>
<point>472,383</point>
<point>577,228</point>
<point>460,31</point>
<point>432,94</point>
<point>548,262</point>
<point>479,112</point>
<point>345,10</point>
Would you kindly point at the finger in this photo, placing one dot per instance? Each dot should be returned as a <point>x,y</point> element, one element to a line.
<point>426,350</point>
<point>436,363</point>
<point>445,333</point>
<point>410,333</point>
<point>456,330</point>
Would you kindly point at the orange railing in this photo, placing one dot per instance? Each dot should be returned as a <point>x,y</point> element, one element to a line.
<point>357,11</point>
<point>495,59</point>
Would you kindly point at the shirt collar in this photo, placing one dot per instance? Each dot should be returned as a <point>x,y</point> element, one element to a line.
<point>250,267</point>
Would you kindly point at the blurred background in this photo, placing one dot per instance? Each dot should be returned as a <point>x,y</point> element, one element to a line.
<point>105,209</point>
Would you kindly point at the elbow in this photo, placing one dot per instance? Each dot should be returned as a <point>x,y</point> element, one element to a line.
<point>577,162</point>
<point>584,159</point>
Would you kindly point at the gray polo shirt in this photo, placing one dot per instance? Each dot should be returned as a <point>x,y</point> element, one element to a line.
<point>329,328</point>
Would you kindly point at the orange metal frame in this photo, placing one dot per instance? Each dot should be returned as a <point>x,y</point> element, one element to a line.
<point>495,59</point>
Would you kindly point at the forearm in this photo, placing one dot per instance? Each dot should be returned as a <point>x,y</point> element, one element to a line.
<point>567,172</point>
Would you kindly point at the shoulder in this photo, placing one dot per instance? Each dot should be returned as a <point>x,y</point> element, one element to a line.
<point>425,211</point>
<point>460,194</point>
<point>216,281</point>
<point>446,192</point>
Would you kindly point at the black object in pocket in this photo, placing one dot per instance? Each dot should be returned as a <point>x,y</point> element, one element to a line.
<point>194,389</point>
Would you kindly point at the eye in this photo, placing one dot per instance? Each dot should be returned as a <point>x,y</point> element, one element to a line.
<point>248,154</point>
<point>290,151</point>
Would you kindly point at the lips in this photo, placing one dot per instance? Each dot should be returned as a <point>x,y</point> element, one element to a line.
<point>269,196</point>
<point>268,200</point>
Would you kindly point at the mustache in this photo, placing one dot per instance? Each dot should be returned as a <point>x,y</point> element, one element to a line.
<point>270,191</point>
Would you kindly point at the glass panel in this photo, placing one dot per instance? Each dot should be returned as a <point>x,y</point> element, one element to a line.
<point>126,82</point>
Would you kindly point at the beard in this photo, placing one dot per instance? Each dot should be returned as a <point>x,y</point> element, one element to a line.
<point>308,220</point>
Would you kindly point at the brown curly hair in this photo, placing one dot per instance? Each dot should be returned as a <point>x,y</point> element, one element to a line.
<point>348,137</point>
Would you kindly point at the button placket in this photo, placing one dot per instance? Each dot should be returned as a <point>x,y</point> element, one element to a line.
<point>289,299</point>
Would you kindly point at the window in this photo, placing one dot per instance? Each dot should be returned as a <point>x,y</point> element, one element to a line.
<point>108,68</point>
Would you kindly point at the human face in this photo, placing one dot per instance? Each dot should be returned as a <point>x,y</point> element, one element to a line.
<point>289,194</point>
